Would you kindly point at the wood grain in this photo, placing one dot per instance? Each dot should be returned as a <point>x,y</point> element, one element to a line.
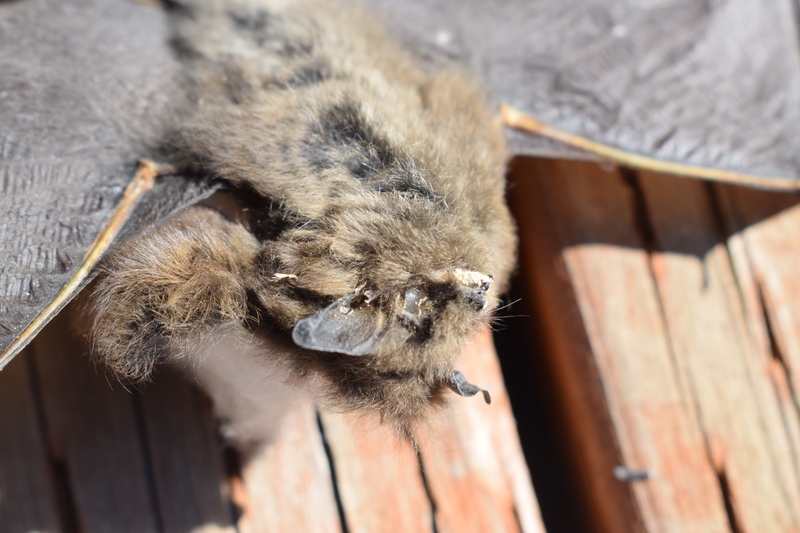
<point>624,395</point>
<point>475,476</point>
<point>151,459</point>
<point>287,486</point>
<point>27,493</point>
<point>763,256</point>
<point>473,463</point>
<point>93,431</point>
<point>186,456</point>
<point>378,476</point>
<point>720,352</point>
<point>670,315</point>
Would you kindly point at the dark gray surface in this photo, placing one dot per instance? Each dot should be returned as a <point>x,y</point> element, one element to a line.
<point>711,83</point>
<point>84,87</point>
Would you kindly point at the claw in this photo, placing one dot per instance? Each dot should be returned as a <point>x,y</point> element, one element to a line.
<point>464,388</point>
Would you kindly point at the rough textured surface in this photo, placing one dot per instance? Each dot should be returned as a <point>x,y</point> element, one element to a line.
<point>86,86</point>
<point>705,83</point>
<point>82,453</point>
<point>667,313</point>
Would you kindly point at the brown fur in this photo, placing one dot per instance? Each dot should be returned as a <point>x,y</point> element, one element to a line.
<point>363,176</point>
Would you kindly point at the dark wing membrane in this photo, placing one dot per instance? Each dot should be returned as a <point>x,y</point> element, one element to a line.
<point>85,88</point>
<point>707,84</point>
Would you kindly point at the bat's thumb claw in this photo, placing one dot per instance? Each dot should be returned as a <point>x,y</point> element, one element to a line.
<point>459,384</point>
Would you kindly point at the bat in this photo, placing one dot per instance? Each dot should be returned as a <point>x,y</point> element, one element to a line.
<point>363,237</point>
<point>69,142</point>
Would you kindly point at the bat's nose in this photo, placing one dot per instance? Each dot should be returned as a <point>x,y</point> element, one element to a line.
<point>476,299</point>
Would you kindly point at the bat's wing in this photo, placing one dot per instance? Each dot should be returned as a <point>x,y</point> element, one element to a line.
<point>85,88</point>
<point>705,84</point>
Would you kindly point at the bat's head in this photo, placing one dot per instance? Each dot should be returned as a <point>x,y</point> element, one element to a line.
<point>382,295</point>
<point>397,355</point>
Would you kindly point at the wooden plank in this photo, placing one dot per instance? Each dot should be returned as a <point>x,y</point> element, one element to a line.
<point>727,371</point>
<point>473,462</point>
<point>764,254</point>
<point>379,480</point>
<point>764,248</point>
<point>287,486</point>
<point>585,428</point>
<point>186,454</point>
<point>578,392</point>
<point>92,431</point>
<point>151,460</point>
<point>586,251</point>
<point>27,496</point>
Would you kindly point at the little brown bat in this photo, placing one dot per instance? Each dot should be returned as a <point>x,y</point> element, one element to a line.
<point>364,237</point>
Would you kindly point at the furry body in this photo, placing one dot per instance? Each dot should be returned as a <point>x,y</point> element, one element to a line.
<point>371,216</point>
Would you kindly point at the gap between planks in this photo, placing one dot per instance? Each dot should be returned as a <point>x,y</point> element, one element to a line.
<point>678,357</point>
<point>178,482</point>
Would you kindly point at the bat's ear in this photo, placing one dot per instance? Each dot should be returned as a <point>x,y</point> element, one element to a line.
<point>343,327</point>
<point>459,384</point>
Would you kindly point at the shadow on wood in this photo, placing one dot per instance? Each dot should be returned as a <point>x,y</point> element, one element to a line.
<point>82,452</point>
<point>665,313</point>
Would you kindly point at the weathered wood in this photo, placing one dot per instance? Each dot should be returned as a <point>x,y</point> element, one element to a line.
<point>566,360</point>
<point>473,463</point>
<point>92,430</point>
<point>588,263</point>
<point>287,486</point>
<point>151,459</point>
<point>727,371</point>
<point>669,311</point>
<point>186,456</point>
<point>378,476</point>
<point>27,496</point>
<point>764,254</point>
